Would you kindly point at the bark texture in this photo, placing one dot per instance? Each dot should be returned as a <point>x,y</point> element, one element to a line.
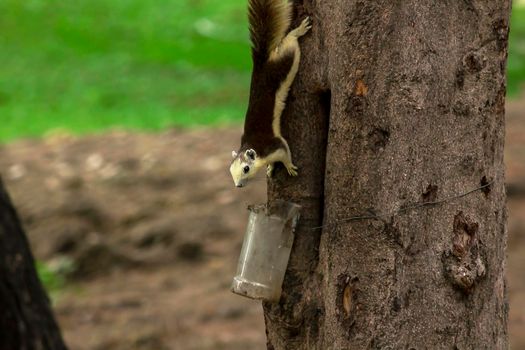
<point>26,319</point>
<point>397,103</point>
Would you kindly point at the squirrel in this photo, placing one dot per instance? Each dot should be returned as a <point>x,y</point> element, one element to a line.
<point>275,57</point>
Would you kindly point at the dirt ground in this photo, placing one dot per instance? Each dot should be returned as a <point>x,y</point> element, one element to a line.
<point>149,228</point>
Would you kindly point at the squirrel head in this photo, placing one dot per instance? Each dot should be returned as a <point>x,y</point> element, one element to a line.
<point>243,167</point>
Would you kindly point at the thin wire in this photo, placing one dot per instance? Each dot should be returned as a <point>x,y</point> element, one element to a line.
<point>405,209</point>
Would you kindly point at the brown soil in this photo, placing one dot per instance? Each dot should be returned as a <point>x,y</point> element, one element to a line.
<point>150,228</point>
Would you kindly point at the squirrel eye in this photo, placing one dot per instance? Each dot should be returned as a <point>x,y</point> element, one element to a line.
<point>246,169</point>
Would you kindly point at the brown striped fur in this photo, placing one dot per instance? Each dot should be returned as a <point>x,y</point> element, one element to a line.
<point>269,20</point>
<point>276,59</point>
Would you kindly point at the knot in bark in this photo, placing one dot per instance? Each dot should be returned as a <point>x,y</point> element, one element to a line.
<point>463,264</point>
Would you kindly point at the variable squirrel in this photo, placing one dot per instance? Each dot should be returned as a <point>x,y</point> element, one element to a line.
<point>275,56</point>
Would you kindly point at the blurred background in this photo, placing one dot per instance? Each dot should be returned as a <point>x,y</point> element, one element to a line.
<point>117,120</point>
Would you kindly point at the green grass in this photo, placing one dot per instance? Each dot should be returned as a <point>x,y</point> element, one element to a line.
<point>54,275</point>
<point>516,62</point>
<point>87,65</point>
<point>51,280</point>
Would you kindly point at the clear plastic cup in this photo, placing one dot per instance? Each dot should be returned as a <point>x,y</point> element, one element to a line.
<point>266,250</point>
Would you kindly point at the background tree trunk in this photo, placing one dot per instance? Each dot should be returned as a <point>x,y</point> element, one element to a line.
<point>26,319</point>
<point>397,103</point>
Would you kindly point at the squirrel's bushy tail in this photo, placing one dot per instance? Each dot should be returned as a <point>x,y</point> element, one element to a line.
<point>269,20</point>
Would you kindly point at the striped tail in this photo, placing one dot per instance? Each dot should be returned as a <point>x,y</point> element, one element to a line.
<point>269,20</point>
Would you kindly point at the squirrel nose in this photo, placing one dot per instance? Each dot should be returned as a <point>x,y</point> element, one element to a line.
<point>239,185</point>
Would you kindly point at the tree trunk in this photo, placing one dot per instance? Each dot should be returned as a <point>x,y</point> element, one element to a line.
<point>26,319</point>
<point>397,114</point>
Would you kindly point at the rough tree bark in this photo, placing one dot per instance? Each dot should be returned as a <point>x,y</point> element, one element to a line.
<point>26,319</point>
<point>397,103</point>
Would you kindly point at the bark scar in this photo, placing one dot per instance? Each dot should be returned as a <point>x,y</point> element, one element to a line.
<point>360,88</point>
<point>463,264</point>
<point>346,303</point>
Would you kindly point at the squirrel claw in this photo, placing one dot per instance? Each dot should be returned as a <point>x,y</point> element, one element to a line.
<point>305,26</point>
<point>292,170</point>
<point>307,23</point>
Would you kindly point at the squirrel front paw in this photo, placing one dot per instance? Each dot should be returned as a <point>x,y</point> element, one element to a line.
<point>292,170</point>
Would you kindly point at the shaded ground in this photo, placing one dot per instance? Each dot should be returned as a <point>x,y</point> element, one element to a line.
<point>149,228</point>
<point>152,225</point>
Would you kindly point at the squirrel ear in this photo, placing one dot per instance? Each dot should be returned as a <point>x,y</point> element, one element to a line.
<point>234,154</point>
<point>251,154</point>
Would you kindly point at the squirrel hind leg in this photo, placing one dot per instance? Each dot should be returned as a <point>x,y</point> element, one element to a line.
<point>303,28</point>
<point>290,44</point>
